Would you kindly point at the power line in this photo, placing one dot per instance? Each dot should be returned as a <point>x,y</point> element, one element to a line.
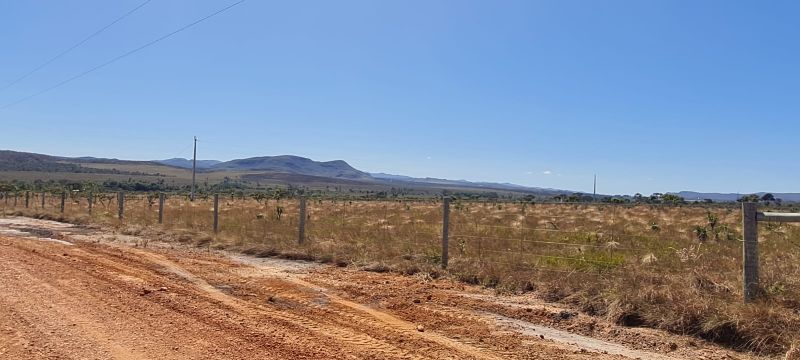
<point>73,47</point>
<point>115,59</point>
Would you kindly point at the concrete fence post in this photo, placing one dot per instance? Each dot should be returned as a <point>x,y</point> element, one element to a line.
<point>445,232</point>
<point>301,227</point>
<point>121,204</point>
<point>161,197</point>
<point>216,213</point>
<point>63,200</point>
<point>750,251</point>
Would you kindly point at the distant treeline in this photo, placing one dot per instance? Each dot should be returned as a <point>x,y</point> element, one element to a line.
<point>242,189</point>
<point>656,198</point>
<point>66,185</point>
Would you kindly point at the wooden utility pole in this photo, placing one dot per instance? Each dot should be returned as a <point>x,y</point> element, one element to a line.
<point>194,168</point>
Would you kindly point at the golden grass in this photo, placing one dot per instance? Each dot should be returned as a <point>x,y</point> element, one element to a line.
<point>640,265</point>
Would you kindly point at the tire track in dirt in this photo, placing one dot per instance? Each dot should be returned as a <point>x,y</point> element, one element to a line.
<point>361,340</point>
<point>151,265</point>
<point>321,297</point>
<point>367,343</point>
<point>371,344</point>
<point>401,325</point>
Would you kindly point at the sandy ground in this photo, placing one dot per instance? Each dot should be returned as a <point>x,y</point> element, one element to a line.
<point>77,293</point>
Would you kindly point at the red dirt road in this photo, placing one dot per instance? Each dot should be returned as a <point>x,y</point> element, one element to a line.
<point>94,296</point>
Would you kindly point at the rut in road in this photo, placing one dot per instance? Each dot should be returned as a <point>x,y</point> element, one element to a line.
<point>364,341</point>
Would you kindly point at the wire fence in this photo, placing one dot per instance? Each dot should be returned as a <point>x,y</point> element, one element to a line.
<point>484,237</point>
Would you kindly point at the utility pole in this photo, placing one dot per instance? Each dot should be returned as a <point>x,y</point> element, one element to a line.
<point>594,190</point>
<point>194,168</point>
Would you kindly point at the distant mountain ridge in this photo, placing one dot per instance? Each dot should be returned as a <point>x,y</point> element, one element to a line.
<point>291,168</point>
<point>279,164</point>
<point>294,165</point>
<point>268,166</point>
<point>465,183</point>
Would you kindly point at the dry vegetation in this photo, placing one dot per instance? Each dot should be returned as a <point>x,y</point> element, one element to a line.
<point>676,268</point>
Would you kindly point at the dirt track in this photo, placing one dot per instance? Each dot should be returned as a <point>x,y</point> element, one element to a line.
<point>92,295</point>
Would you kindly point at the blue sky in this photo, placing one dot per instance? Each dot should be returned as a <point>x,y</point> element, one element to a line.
<point>652,96</point>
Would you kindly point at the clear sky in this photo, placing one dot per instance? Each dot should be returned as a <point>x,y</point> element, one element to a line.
<point>653,96</point>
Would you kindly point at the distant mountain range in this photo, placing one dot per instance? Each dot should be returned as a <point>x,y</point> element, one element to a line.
<point>339,169</point>
<point>282,164</point>
<point>474,184</point>
<point>283,169</point>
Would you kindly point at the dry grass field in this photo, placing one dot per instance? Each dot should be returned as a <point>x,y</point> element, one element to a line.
<point>676,268</point>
